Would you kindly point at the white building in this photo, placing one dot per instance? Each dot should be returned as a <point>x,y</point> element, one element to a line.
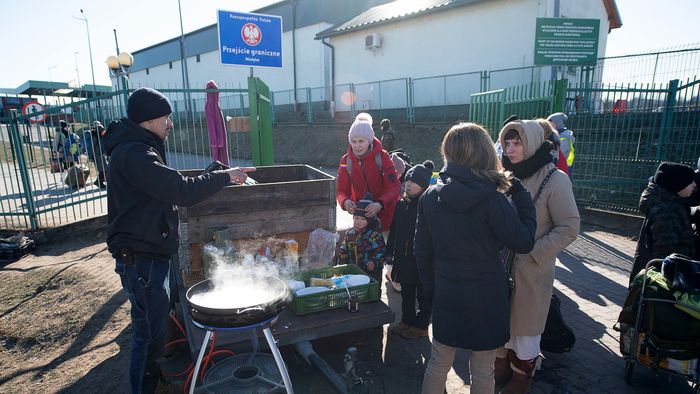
<point>337,42</point>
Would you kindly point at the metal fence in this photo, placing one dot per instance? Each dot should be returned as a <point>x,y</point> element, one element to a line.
<point>622,131</point>
<point>33,191</point>
<point>34,194</point>
<point>446,98</point>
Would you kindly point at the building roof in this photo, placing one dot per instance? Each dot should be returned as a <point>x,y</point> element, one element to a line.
<point>392,12</point>
<point>404,9</point>
<point>613,14</point>
<point>206,39</point>
<point>53,88</point>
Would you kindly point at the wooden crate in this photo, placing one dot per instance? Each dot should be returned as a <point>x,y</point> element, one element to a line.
<point>289,201</point>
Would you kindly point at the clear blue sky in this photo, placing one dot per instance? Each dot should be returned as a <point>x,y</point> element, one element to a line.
<point>40,34</point>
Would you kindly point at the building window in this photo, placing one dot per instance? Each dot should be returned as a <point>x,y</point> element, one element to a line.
<point>148,71</point>
<point>198,59</point>
<point>170,65</point>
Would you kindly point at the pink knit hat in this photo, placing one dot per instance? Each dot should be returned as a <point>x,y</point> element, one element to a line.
<point>399,164</point>
<point>361,127</point>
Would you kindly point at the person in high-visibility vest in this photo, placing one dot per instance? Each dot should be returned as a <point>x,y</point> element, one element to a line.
<point>566,136</point>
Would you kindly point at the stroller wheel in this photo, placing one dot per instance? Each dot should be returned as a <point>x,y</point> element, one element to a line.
<point>629,368</point>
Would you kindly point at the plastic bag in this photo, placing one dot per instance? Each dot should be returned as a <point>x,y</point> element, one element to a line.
<point>320,249</point>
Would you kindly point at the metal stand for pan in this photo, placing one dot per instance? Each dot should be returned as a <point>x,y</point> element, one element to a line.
<point>265,325</point>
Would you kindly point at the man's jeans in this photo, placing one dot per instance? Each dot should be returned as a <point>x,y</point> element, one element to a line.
<point>146,282</point>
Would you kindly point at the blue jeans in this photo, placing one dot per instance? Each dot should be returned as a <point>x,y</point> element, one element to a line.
<point>146,282</point>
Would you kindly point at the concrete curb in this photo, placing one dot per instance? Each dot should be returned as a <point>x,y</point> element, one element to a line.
<point>623,224</point>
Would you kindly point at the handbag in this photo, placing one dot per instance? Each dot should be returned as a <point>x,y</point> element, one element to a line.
<point>507,255</point>
<point>557,337</point>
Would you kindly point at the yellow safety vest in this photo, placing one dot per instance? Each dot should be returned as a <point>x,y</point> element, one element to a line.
<point>570,157</point>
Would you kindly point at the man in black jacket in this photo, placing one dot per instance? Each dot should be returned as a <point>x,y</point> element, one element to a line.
<point>142,224</point>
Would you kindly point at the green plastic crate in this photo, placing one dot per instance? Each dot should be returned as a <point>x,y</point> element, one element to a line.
<point>332,299</point>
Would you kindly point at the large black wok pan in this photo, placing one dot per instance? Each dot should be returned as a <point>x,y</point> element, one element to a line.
<point>243,316</point>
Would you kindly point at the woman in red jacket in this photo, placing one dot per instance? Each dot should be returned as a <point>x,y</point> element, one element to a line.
<point>367,172</point>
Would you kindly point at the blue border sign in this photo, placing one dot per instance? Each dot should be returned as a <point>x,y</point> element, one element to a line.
<point>251,40</point>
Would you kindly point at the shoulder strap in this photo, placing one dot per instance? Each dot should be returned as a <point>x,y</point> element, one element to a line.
<point>544,182</point>
<point>377,159</point>
<point>507,255</point>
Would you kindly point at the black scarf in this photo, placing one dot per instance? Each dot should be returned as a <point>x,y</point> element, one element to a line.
<point>529,167</point>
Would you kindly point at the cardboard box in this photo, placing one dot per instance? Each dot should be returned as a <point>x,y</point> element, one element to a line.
<point>238,124</point>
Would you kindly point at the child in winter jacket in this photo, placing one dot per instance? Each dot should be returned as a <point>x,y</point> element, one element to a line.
<point>414,323</point>
<point>363,244</point>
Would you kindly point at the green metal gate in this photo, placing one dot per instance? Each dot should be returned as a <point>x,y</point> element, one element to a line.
<point>622,131</point>
<point>33,196</point>
<point>260,122</point>
<point>529,101</point>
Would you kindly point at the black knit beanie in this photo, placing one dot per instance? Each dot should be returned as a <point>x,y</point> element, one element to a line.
<point>421,174</point>
<point>674,177</point>
<point>360,207</point>
<point>146,104</point>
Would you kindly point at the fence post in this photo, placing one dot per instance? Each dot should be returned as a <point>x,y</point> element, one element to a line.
<point>354,98</point>
<point>272,107</point>
<point>22,167</point>
<point>667,117</point>
<point>410,115</point>
<point>309,115</point>
<point>485,81</point>
<point>559,95</point>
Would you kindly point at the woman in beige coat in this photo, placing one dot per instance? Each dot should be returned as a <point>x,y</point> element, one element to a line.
<point>527,155</point>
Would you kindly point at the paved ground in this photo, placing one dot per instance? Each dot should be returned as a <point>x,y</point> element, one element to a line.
<point>590,280</point>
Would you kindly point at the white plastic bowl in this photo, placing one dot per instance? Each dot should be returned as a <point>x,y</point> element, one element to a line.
<point>296,284</point>
<point>311,290</point>
<point>358,280</point>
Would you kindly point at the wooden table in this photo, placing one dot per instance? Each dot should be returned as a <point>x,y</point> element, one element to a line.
<point>290,328</point>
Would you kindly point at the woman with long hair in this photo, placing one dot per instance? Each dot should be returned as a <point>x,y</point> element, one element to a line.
<point>463,222</point>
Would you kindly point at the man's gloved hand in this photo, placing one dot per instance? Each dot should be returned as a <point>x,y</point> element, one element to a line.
<point>515,186</point>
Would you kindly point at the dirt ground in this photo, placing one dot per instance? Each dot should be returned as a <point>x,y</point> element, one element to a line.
<point>61,315</point>
<point>65,326</point>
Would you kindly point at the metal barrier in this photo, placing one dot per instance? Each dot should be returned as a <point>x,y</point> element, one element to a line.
<point>622,131</point>
<point>622,134</point>
<point>34,193</point>
<point>446,98</point>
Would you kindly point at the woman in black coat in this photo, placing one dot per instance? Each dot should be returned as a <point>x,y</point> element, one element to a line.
<point>462,225</point>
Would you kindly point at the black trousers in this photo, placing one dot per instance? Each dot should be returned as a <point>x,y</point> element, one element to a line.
<point>410,293</point>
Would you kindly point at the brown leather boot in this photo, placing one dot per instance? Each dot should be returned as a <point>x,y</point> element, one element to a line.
<point>502,372</point>
<point>518,384</point>
<point>523,371</point>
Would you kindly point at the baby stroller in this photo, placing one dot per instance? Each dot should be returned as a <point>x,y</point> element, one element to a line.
<point>660,321</point>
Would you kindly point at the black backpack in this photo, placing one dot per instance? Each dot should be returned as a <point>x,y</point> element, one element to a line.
<point>557,336</point>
